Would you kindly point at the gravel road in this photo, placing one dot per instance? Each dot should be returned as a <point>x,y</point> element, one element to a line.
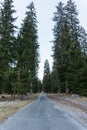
<point>42,114</point>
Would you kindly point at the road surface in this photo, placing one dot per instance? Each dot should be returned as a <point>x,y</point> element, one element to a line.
<point>42,114</point>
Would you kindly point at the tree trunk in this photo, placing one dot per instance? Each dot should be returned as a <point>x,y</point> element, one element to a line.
<point>14,94</point>
<point>66,86</point>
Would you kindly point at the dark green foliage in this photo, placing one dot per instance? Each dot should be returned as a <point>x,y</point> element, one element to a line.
<point>69,50</point>
<point>47,78</point>
<point>28,51</point>
<point>7,41</point>
<point>19,57</point>
<point>40,86</point>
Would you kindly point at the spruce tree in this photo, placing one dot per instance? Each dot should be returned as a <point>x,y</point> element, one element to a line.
<point>67,49</point>
<point>83,70</point>
<point>75,63</point>
<point>46,77</point>
<point>28,47</point>
<point>7,40</point>
<point>59,48</point>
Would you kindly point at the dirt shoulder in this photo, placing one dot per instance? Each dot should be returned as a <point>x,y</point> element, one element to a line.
<point>76,106</point>
<point>8,108</point>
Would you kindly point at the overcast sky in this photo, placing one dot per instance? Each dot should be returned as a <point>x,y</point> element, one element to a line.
<point>45,9</point>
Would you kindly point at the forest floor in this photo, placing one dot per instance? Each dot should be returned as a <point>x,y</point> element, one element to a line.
<point>75,105</point>
<point>10,107</point>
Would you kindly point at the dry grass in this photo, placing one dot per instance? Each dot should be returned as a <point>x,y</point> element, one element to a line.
<point>75,106</point>
<point>73,97</point>
<point>11,108</point>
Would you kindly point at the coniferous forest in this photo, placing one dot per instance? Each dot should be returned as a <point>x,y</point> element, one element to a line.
<point>19,52</point>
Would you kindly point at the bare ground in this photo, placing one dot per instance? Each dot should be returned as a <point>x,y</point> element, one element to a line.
<point>76,106</point>
<point>8,108</point>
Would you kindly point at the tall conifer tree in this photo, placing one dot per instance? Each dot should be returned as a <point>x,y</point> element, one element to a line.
<point>46,78</point>
<point>7,40</point>
<point>67,50</point>
<point>28,55</point>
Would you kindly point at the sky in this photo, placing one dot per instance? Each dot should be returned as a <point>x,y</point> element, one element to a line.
<point>44,12</point>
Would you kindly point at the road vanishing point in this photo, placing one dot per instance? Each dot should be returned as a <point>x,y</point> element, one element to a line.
<point>42,114</point>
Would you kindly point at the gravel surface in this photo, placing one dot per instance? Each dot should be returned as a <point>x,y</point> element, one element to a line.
<point>42,114</point>
<point>75,106</point>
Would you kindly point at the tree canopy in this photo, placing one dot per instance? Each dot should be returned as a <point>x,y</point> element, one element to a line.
<point>68,53</point>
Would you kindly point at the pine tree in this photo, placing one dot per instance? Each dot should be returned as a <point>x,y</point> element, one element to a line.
<point>75,63</point>
<point>7,40</point>
<point>67,49</point>
<point>83,72</point>
<point>28,54</point>
<point>83,41</point>
<point>59,48</point>
<point>46,78</point>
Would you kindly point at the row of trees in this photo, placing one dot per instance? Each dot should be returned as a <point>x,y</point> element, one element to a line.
<point>69,72</point>
<point>19,51</point>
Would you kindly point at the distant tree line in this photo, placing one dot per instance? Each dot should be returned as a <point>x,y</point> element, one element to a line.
<point>69,71</point>
<point>19,51</point>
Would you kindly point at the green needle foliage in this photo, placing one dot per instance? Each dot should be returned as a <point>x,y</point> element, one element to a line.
<point>28,53</point>
<point>19,56</point>
<point>69,51</point>
<point>7,42</point>
<point>47,78</point>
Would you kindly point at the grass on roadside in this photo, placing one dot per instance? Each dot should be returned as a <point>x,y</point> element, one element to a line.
<point>9,109</point>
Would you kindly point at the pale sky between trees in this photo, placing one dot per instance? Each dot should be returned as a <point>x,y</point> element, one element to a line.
<point>44,11</point>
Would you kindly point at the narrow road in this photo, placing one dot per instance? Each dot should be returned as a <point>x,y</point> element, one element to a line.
<point>42,114</point>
